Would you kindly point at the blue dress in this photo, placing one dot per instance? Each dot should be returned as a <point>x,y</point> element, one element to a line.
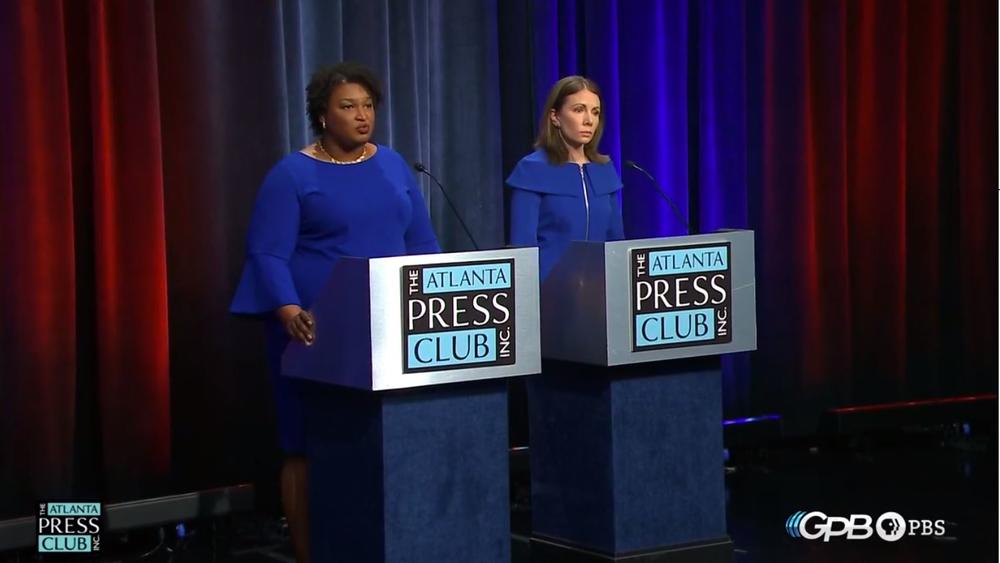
<point>308,214</point>
<point>549,208</point>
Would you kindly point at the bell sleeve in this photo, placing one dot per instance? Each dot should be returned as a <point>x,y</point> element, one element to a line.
<point>266,282</point>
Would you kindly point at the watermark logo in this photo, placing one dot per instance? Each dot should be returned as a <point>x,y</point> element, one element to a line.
<point>792,524</point>
<point>69,527</point>
<point>890,526</point>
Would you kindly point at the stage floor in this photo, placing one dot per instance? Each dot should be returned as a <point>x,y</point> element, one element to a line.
<point>933,474</point>
<point>920,475</point>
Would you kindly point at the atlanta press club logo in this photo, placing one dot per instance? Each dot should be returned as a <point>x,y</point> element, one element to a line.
<point>681,296</point>
<point>890,526</point>
<point>69,527</point>
<point>458,315</point>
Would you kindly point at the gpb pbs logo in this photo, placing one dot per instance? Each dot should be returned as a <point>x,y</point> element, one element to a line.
<point>69,527</point>
<point>890,526</point>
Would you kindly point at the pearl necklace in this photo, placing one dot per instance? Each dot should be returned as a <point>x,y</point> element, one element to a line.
<point>322,149</point>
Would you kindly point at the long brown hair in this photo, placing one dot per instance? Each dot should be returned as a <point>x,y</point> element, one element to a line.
<point>549,139</point>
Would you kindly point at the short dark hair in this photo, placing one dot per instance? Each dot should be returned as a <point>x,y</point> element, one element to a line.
<point>549,139</point>
<point>324,80</point>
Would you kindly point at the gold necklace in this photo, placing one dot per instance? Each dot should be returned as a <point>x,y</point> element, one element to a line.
<point>322,149</point>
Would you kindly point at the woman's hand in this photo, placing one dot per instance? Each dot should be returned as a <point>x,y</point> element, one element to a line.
<point>299,324</point>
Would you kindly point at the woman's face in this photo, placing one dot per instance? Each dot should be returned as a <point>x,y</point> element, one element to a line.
<point>350,115</point>
<point>578,117</point>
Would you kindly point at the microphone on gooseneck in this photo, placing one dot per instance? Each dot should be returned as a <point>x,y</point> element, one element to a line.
<point>662,193</point>
<point>419,167</point>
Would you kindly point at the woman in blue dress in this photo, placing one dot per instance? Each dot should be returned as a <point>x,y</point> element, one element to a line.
<point>566,190</point>
<point>339,196</point>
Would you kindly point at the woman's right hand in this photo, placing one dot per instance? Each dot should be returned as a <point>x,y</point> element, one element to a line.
<point>299,324</point>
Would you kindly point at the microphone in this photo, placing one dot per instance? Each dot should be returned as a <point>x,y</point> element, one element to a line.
<point>663,194</point>
<point>419,167</point>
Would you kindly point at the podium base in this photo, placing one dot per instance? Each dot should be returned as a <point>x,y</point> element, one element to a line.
<point>551,550</point>
<point>627,459</point>
<point>412,476</point>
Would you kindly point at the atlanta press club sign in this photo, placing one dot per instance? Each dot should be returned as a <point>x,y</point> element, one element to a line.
<point>69,527</point>
<point>458,315</point>
<point>681,296</point>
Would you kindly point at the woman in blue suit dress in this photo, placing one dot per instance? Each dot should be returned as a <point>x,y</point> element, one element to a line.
<point>339,196</point>
<point>566,190</point>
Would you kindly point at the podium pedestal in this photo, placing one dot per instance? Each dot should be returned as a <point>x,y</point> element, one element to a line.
<point>409,476</point>
<point>626,462</point>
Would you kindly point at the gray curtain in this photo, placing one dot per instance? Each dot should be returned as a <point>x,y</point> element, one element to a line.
<point>438,64</point>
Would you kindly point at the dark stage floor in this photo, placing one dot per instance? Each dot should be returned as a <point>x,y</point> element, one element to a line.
<point>920,476</point>
<point>934,474</point>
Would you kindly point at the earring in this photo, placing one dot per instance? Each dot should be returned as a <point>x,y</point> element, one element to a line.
<point>323,123</point>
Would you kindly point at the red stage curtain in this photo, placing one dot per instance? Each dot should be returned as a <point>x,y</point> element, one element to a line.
<point>84,288</point>
<point>877,213</point>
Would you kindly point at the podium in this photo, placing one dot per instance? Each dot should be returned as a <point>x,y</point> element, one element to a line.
<point>406,404</point>
<point>626,419</point>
